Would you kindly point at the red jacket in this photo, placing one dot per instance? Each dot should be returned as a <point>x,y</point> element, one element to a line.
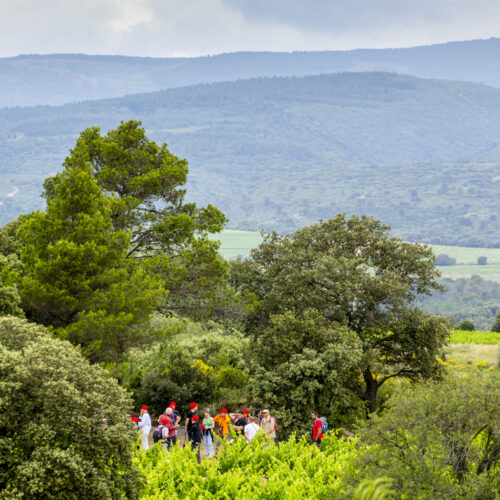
<point>170,428</point>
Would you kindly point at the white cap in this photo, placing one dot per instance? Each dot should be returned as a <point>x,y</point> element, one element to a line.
<point>169,411</point>
<point>265,411</point>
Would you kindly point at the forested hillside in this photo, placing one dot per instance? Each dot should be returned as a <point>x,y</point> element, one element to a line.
<point>57,79</point>
<point>278,153</point>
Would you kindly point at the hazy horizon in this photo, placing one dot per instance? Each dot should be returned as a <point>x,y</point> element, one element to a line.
<point>171,28</point>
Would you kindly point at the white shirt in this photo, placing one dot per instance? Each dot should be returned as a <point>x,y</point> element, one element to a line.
<point>145,423</point>
<point>250,431</point>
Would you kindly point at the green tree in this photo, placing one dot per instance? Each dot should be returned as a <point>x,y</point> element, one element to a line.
<point>357,278</point>
<point>146,185</point>
<point>63,429</point>
<point>76,276</point>
<point>496,325</point>
<point>437,439</point>
<point>466,325</point>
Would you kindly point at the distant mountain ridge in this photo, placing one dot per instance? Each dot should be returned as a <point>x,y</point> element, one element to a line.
<point>421,155</point>
<point>30,80</point>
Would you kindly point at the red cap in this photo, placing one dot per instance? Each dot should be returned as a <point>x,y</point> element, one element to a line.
<point>144,407</point>
<point>224,410</point>
<point>135,419</point>
<point>192,405</point>
<point>173,404</point>
<point>163,420</point>
<point>195,418</point>
<point>246,412</point>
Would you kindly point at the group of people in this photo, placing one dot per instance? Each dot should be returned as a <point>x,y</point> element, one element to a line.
<point>210,430</point>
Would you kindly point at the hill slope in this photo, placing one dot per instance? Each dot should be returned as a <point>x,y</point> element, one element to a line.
<point>422,155</point>
<point>57,79</point>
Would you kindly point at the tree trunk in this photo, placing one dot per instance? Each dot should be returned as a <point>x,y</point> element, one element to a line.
<point>371,391</point>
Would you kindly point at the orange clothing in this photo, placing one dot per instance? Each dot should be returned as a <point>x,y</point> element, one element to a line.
<point>223,421</point>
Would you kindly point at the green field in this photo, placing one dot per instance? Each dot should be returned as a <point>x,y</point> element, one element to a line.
<point>466,255</point>
<point>238,243</point>
<point>488,272</point>
<point>474,337</point>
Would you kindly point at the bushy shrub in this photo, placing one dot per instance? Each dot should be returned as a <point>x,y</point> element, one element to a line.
<point>195,362</point>
<point>63,428</point>
<point>291,470</point>
<point>438,440</point>
<point>466,325</point>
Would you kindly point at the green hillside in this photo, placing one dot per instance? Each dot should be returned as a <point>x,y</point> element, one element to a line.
<point>56,79</point>
<point>279,153</point>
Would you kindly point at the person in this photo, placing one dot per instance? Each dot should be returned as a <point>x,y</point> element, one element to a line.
<point>145,426</point>
<point>196,437</point>
<point>223,421</point>
<point>258,416</point>
<point>189,419</point>
<point>169,429</point>
<point>251,428</point>
<point>206,429</point>
<point>239,423</point>
<point>176,419</point>
<point>268,425</point>
<point>317,430</point>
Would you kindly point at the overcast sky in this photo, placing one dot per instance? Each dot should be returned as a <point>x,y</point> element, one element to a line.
<point>197,27</point>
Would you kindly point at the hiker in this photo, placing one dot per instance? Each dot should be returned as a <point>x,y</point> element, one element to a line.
<point>189,419</point>
<point>317,430</point>
<point>251,428</point>
<point>196,437</point>
<point>176,419</point>
<point>223,421</point>
<point>258,416</point>
<point>169,430</point>
<point>206,430</point>
<point>241,421</point>
<point>268,425</point>
<point>145,426</point>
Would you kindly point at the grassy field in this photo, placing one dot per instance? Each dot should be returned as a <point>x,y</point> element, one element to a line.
<point>474,348</point>
<point>466,255</point>
<point>474,337</point>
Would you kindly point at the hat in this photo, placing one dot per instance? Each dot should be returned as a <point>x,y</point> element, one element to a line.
<point>265,411</point>
<point>172,404</point>
<point>134,419</point>
<point>246,412</point>
<point>224,410</point>
<point>169,411</point>
<point>144,407</point>
<point>192,406</point>
<point>163,420</point>
<point>195,418</point>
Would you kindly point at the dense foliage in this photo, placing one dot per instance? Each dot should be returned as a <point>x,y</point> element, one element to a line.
<point>439,439</point>
<point>341,274</point>
<point>257,470</point>
<point>195,362</point>
<point>63,430</point>
<point>282,153</point>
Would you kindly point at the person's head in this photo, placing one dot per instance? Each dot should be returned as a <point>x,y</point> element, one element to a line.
<point>240,414</point>
<point>207,412</point>
<point>258,413</point>
<point>193,407</point>
<point>163,420</point>
<point>173,405</point>
<point>251,420</point>
<point>246,413</point>
<point>265,413</point>
<point>169,411</point>
<point>314,415</point>
<point>223,411</point>
<point>195,418</point>
<point>144,409</point>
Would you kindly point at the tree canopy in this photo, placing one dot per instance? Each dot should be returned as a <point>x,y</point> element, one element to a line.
<point>356,277</point>
<point>63,429</point>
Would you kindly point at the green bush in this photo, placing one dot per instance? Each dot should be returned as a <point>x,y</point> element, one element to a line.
<point>63,428</point>
<point>466,325</point>
<point>437,440</point>
<point>290,470</point>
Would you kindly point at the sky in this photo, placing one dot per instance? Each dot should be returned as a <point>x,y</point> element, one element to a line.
<point>165,28</point>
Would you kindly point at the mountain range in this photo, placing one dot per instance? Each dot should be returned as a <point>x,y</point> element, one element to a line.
<point>30,80</point>
<point>420,154</point>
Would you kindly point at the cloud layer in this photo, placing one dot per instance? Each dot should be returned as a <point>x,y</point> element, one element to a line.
<point>195,27</point>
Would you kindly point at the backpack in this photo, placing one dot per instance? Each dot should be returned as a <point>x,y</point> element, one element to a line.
<point>157,433</point>
<point>325,426</point>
